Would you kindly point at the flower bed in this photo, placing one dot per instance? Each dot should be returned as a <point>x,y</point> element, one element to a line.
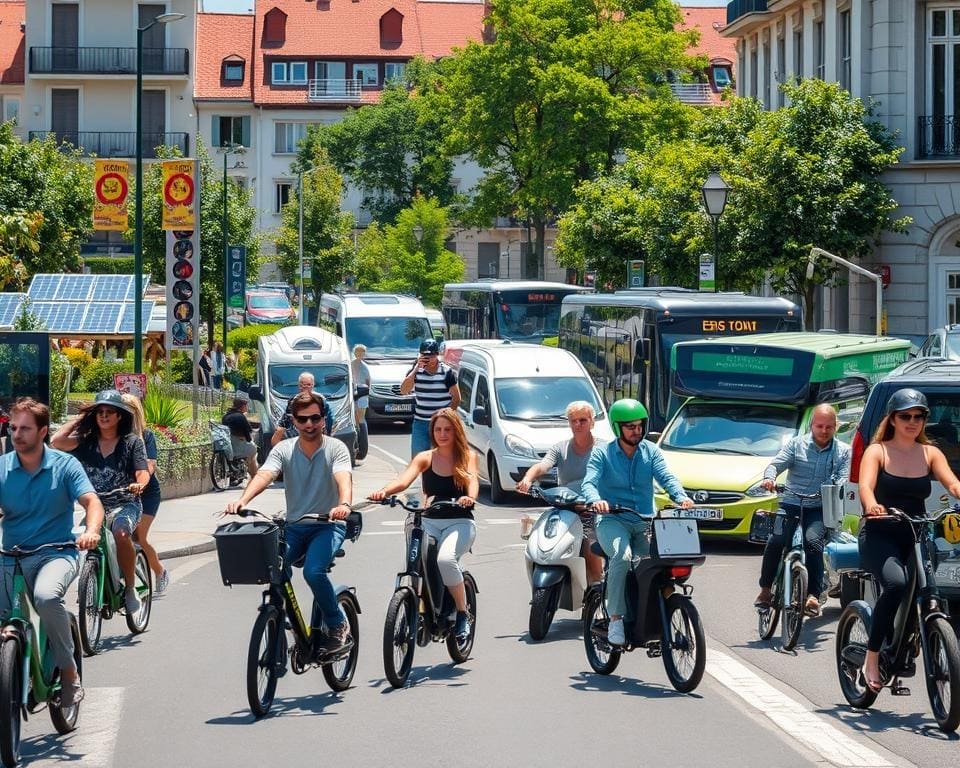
<point>183,460</point>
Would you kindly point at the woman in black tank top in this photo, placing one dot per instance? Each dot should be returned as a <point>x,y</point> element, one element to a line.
<point>895,472</point>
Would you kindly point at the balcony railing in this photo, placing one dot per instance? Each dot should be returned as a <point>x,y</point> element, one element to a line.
<point>691,93</point>
<point>118,144</point>
<point>107,61</point>
<point>937,137</point>
<point>739,8</point>
<point>333,90</point>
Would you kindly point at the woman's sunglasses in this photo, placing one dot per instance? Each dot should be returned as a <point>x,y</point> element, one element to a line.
<point>911,416</point>
<point>313,418</point>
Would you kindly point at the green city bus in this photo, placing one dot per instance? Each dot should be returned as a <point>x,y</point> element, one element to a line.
<point>624,339</point>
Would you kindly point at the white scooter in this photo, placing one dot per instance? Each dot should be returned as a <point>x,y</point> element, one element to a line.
<point>555,568</point>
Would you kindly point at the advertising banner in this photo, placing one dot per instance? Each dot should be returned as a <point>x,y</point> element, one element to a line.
<point>111,187</point>
<point>132,383</point>
<point>179,192</point>
<point>237,276</point>
<point>183,288</point>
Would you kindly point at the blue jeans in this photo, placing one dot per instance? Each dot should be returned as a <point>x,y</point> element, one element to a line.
<point>419,437</point>
<point>622,537</point>
<point>320,541</point>
<point>217,380</point>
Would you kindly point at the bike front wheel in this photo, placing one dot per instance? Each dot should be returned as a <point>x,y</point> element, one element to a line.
<point>265,658</point>
<point>219,473</point>
<point>853,632</point>
<point>684,647</point>
<point>768,617</point>
<point>543,607</point>
<point>339,673</point>
<point>793,607</point>
<point>602,657</point>
<point>399,638</point>
<point>11,695</point>
<point>137,622</point>
<point>91,617</point>
<point>64,719</point>
<point>943,680</point>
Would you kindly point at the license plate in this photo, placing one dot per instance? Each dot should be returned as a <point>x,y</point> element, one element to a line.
<point>947,574</point>
<point>398,408</point>
<point>693,513</point>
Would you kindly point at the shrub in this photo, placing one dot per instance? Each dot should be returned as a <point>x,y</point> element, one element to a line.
<point>181,368</point>
<point>59,379</point>
<point>163,410</point>
<point>99,374</point>
<point>247,364</point>
<point>247,337</point>
<point>109,265</point>
<point>79,359</point>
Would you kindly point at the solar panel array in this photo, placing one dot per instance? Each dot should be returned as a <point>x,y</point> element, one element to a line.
<point>9,305</point>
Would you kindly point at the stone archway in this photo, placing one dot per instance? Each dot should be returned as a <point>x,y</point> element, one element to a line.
<point>943,273</point>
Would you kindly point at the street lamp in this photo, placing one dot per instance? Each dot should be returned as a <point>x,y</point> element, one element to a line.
<point>715,191</point>
<point>228,149</point>
<point>163,18</point>
<point>300,174</point>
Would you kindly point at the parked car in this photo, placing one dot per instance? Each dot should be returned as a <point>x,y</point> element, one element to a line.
<point>265,306</point>
<point>943,342</point>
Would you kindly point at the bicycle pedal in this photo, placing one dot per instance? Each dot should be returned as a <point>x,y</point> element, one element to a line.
<point>654,651</point>
<point>899,690</point>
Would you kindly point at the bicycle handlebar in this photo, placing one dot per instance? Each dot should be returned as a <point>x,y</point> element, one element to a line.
<point>18,552</point>
<point>781,489</point>
<point>396,501</point>
<point>893,513</point>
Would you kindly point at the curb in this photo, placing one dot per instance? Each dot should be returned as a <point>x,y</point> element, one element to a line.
<point>192,549</point>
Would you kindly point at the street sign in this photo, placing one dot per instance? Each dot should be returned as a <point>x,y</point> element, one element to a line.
<point>707,274</point>
<point>635,273</point>
<point>237,271</point>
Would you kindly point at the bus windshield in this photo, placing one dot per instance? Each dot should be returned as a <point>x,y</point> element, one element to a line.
<point>388,336</point>
<point>528,315</point>
<point>331,380</point>
<point>738,428</point>
<point>542,398</point>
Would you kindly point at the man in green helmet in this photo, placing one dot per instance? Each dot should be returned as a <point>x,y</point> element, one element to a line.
<point>621,473</point>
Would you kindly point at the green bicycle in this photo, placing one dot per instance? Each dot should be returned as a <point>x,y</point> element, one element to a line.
<point>29,679</point>
<point>100,590</point>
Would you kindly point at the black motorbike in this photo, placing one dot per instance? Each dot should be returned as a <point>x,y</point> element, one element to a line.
<point>661,616</point>
<point>421,610</point>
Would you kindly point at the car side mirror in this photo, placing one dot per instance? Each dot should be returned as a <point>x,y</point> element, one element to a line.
<point>481,417</point>
<point>652,436</point>
<point>256,392</point>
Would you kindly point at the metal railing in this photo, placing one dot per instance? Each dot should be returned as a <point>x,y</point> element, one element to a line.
<point>937,137</point>
<point>334,90</point>
<point>691,93</point>
<point>107,61</point>
<point>739,8</point>
<point>117,144</point>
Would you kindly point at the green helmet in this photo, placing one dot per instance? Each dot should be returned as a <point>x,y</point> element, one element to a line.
<point>626,410</point>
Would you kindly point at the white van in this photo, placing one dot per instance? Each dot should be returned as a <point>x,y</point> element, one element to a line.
<point>282,357</point>
<point>391,327</point>
<point>514,400</point>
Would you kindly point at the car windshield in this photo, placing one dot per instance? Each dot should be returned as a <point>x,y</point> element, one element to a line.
<point>542,398</point>
<point>331,380</point>
<point>388,336</point>
<point>739,428</point>
<point>276,301</point>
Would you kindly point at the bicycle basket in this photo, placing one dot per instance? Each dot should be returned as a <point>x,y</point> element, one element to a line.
<point>761,527</point>
<point>221,439</point>
<point>249,553</point>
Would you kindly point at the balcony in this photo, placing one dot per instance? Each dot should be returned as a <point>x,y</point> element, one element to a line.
<point>118,144</point>
<point>739,8</point>
<point>334,90</point>
<point>692,93</point>
<point>107,61</point>
<point>938,137</point>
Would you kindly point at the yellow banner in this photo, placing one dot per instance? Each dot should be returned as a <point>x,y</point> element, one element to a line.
<point>179,193</point>
<point>111,187</point>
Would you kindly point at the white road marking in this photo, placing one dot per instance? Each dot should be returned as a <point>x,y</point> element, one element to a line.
<point>514,546</point>
<point>499,520</point>
<point>393,523</point>
<point>814,732</point>
<point>382,533</point>
<point>393,457</point>
<point>95,739</point>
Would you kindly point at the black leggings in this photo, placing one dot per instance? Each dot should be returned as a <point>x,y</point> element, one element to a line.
<point>885,551</point>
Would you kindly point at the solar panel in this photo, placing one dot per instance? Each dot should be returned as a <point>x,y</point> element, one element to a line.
<point>143,288</point>
<point>74,288</point>
<point>111,287</point>
<point>101,317</point>
<point>126,320</point>
<point>44,287</point>
<point>9,305</point>
<point>60,317</point>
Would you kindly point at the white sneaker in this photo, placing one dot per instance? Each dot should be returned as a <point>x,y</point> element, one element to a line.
<point>615,633</point>
<point>131,602</point>
<point>163,581</point>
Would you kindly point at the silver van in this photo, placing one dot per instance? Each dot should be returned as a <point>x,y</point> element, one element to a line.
<point>391,327</point>
<point>282,357</point>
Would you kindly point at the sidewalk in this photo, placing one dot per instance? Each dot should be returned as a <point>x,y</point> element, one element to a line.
<point>185,526</point>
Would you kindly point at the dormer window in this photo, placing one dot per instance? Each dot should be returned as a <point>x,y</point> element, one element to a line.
<point>275,27</point>
<point>391,29</point>
<point>231,72</point>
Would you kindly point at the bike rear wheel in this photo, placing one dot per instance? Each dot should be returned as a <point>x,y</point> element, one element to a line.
<point>459,650</point>
<point>11,694</point>
<point>91,618</point>
<point>793,607</point>
<point>219,473</point>
<point>685,647</point>
<point>943,682</point>
<point>601,656</point>
<point>339,674</point>
<point>138,622</point>
<point>768,617</point>
<point>399,637</point>
<point>64,719</point>
<point>853,632</point>
<point>265,657</point>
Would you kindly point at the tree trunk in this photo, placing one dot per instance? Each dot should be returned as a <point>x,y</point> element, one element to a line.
<point>808,295</point>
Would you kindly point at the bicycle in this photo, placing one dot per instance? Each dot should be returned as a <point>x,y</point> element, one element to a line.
<point>226,470</point>
<point>255,553</point>
<point>422,610</point>
<point>28,678</point>
<point>921,627</point>
<point>101,589</point>
<point>790,583</point>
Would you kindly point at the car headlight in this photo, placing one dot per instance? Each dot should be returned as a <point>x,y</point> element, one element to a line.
<point>520,447</point>
<point>757,490</point>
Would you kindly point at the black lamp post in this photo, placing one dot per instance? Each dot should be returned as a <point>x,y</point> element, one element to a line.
<point>228,149</point>
<point>715,191</point>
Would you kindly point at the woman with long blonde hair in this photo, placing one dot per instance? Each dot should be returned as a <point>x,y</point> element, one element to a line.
<point>447,471</point>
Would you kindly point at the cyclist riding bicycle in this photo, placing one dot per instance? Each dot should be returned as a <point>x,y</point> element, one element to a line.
<point>317,479</point>
<point>811,461</point>
<point>103,440</point>
<point>621,473</point>
<point>38,487</point>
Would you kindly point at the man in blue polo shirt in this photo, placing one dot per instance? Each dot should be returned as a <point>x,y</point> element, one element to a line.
<point>38,487</point>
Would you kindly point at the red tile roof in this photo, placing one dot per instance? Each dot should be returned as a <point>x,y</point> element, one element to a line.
<point>710,21</point>
<point>12,16</point>
<point>223,36</point>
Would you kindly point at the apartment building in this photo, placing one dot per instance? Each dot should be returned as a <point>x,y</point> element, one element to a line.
<point>905,57</point>
<point>11,62</point>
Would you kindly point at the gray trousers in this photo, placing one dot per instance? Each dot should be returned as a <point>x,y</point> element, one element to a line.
<point>49,574</point>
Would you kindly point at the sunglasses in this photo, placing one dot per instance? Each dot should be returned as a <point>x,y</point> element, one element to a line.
<point>107,412</point>
<point>912,416</point>
<point>313,418</point>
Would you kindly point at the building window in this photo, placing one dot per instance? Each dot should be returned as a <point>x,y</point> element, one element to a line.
<point>767,72</point>
<point>330,70</point>
<point>943,83</point>
<point>391,28</point>
<point>798,54</point>
<point>845,51</point>
<point>367,74</point>
<point>274,26</point>
<point>232,71</point>
<point>298,72</point>
<point>281,195</point>
<point>819,70</point>
<point>11,109</point>
<point>288,136</point>
<point>721,77</point>
<point>953,297</point>
<point>288,73</point>
<point>230,129</point>
<point>394,72</point>
<point>753,74</point>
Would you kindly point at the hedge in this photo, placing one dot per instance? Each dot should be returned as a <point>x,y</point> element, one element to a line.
<point>109,265</point>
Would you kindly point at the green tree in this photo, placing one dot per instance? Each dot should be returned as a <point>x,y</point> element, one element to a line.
<point>391,151</point>
<point>49,184</point>
<point>412,254</point>
<point>327,239</point>
<point>561,90</point>
<point>241,228</point>
<point>19,233</point>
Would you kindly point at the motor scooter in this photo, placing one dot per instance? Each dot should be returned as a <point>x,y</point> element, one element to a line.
<point>555,567</point>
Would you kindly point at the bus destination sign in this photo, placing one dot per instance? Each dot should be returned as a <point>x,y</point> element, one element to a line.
<point>729,325</point>
<point>538,297</point>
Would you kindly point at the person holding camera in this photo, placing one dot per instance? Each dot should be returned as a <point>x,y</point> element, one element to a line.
<point>434,387</point>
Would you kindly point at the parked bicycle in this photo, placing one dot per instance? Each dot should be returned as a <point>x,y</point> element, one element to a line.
<point>226,470</point>
<point>790,583</point>
<point>421,610</point>
<point>29,679</point>
<point>922,627</point>
<point>100,587</point>
<point>255,553</point>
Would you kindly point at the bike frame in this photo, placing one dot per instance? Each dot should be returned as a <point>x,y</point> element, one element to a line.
<point>415,577</point>
<point>794,551</point>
